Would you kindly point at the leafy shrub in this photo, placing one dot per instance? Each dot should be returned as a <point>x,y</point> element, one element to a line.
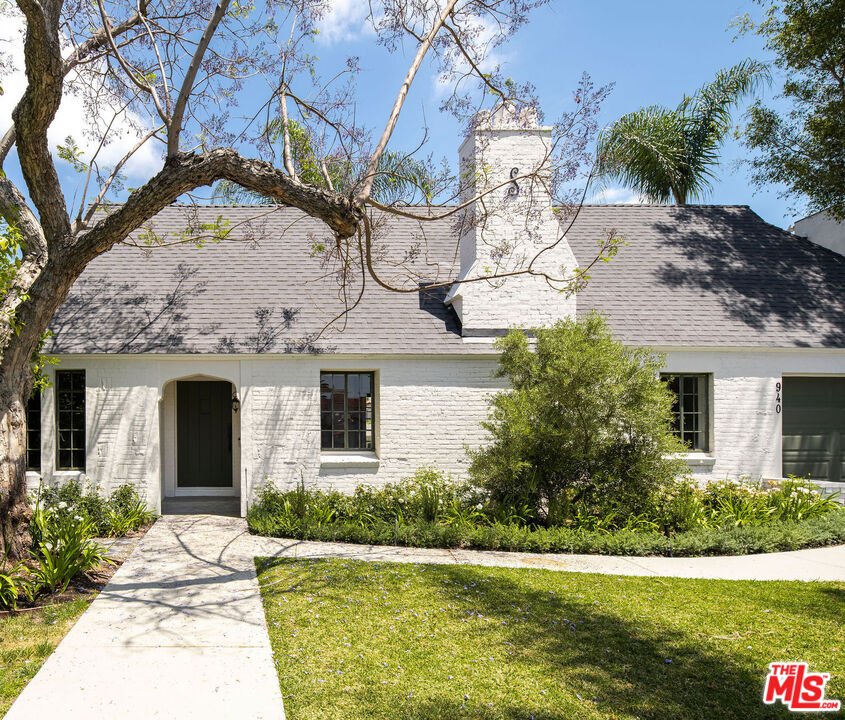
<point>18,582</point>
<point>684,505</point>
<point>586,423</point>
<point>797,499</point>
<point>63,547</point>
<point>114,516</point>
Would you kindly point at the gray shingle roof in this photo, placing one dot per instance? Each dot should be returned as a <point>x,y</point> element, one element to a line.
<point>711,276</point>
<point>693,276</point>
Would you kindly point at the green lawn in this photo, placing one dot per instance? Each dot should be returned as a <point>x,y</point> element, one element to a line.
<point>365,640</point>
<point>26,641</point>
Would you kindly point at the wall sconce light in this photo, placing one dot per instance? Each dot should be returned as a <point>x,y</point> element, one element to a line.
<point>236,404</point>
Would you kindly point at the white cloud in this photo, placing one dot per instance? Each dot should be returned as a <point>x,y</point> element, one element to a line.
<point>618,196</point>
<point>72,118</point>
<point>345,20</point>
<point>484,32</point>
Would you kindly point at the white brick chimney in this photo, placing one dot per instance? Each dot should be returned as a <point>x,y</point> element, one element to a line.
<point>507,229</point>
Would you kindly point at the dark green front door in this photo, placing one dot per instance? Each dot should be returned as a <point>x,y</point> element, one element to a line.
<point>814,427</point>
<point>203,434</point>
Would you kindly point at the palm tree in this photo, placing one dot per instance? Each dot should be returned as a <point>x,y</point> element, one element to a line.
<point>667,154</point>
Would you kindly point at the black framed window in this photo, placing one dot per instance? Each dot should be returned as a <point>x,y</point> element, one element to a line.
<point>690,411</point>
<point>70,419</point>
<point>33,432</point>
<point>347,419</point>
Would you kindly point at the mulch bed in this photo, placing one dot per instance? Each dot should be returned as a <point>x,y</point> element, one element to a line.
<point>84,586</point>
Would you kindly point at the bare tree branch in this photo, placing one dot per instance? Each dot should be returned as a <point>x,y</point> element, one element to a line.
<point>182,173</point>
<point>175,127</point>
<point>367,186</point>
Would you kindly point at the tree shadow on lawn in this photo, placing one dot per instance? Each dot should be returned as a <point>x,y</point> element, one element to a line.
<point>800,606</point>
<point>634,679</point>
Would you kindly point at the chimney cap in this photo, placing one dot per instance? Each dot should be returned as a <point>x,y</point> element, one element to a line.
<point>506,117</point>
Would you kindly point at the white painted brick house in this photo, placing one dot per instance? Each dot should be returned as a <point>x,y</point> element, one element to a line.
<point>199,371</point>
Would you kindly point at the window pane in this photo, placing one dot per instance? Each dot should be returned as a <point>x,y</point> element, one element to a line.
<point>689,408</point>
<point>346,406</point>
<point>33,432</point>
<point>70,401</point>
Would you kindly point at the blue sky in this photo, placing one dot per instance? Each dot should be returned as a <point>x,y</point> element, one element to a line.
<point>653,52</point>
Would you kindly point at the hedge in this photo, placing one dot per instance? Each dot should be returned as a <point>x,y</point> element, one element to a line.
<point>828,529</point>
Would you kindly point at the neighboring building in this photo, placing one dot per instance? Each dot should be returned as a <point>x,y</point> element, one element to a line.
<point>822,229</point>
<point>202,371</point>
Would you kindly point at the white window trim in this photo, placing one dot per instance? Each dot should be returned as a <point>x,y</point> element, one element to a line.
<point>349,459</point>
<point>697,459</point>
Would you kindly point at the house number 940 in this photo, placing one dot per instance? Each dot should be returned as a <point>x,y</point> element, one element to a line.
<point>777,397</point>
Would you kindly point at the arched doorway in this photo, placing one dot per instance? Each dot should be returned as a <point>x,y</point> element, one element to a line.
<point>200,446</point>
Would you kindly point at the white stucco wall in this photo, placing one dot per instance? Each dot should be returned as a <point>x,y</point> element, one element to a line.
<point>427,410</point>
<point>823,230</point>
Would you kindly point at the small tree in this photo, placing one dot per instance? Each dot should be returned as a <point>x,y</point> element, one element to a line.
<point>799,145</point>
<point>586,422</point>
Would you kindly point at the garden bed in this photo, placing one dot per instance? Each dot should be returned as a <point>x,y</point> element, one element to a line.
<point>683,520</point>
<point>816,532</point>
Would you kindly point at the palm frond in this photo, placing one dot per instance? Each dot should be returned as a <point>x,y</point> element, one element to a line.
<point>666,154</point>
<point>644,150</point>
<point>709,108</point>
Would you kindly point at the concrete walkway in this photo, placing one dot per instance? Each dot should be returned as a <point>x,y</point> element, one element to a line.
<point>827,564</point>
<point>179,632</point>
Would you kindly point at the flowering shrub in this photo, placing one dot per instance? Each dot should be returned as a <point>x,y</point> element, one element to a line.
<point>63,547</point>
<point>725,503</point>
<point>120,513</point>
<point>796,499</point>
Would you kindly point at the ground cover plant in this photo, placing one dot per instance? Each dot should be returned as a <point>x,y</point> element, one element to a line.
<point>27,639</point>
<point>684,519</point>
<point>353,639</point>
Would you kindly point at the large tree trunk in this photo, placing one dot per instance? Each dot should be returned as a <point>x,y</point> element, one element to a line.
<point>14,510</point>
<point>16,381</point>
